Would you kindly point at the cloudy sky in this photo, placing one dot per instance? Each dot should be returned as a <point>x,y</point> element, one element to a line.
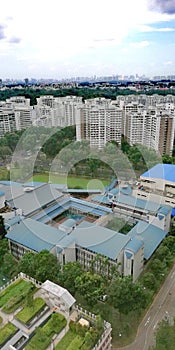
<point>68,38</point>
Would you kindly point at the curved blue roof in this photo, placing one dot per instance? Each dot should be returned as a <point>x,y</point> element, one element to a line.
<point>151,235</point>
<point>134,245</point>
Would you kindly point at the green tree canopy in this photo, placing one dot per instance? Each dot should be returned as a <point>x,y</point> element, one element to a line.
<point>90,286</point>
<point>41,266</point>
<point>67,279</point>
<point>125,295</point>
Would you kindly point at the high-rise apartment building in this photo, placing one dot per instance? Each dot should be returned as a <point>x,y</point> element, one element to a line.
<point>16,114</point>
<point>151,127</point>
<point>7,122</point>
<point>56,111</point>
<point>99,121</point>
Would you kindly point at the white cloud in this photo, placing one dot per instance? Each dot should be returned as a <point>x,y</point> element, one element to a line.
<point>168,63</point>
<point>56,31</point>
<point>146,28</point>
<point>140,44</point>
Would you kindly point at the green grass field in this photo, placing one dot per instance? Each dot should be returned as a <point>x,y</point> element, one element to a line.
<point>14,295</point>
<point>71,341</point>
<point>71,181</point>
<point>43,335</point>
<point>6,332</point>
<point>30,311</point>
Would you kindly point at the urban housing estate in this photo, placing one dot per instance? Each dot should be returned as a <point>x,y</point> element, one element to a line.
<point>143,120</point>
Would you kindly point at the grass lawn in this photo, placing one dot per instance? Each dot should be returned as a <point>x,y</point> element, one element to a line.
<point>43,335</point>
<point>6,332</point>
<point>71,181</point>
<point>30,311</point>
<point>14,295</point>
<point>70,341</point>
<point>1,319</point>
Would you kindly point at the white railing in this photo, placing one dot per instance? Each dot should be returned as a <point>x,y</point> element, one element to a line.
<point>21,275</point>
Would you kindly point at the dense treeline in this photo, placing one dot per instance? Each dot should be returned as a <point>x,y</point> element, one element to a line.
<point>59,140</point>
<point>43,145</point>
<point>85,92</point>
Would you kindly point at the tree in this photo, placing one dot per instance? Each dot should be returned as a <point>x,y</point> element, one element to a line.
<point>71,270</point>
<point>47,266</point>
<point>2,227</point>
<point>158,267</point>
<point>26,264</point>
<point>149,281</point>
<point>90,286</point>
<point>3,248</point>
<point>9,267</point>
<point>126,296</point>
<point>41,266</point>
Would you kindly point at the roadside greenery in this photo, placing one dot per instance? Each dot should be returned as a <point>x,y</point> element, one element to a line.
<point>165,336</point>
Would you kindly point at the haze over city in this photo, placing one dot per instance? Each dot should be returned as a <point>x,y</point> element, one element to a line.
<point>73,38</point>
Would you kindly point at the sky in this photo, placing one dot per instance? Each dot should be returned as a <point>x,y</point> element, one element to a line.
<point>69,38</point>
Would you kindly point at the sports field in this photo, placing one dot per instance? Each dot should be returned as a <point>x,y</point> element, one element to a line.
<point>71,181</point>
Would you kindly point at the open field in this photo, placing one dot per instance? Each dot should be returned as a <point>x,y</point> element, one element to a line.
<point>71,181</point>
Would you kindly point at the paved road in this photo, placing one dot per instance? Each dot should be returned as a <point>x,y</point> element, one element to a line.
<point>162,307</point>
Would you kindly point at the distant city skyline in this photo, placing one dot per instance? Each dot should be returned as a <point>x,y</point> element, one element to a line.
<point>67,39</point>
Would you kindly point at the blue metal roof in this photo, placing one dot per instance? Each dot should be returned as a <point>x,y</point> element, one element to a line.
<point>35,235</point>
<point>165,209</point>
<point>151,235</point>
<point>68,223</point>
<point>173,212</point>
<point>126,190</point>
<point>97,239</point>
<point>134,202</point>
<point>34,184</point>
<point>15,220</point>
<point>9,183</point>
<point>67,203</point>
<point>134,245</point>
<point>161,171</point>
<point>114,190</point>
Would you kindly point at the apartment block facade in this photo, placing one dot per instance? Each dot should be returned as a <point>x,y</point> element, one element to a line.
<point>143,120</point>
<point>99,122</point>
